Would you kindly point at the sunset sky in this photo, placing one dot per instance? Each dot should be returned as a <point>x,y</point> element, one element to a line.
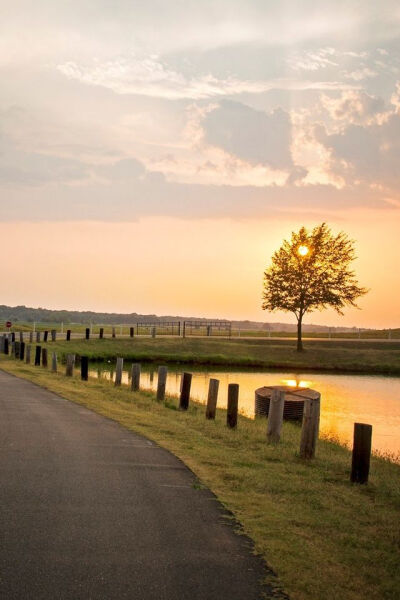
<point>153,155</point>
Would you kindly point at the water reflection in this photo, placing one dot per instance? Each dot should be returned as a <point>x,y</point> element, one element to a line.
<point>345,399</point>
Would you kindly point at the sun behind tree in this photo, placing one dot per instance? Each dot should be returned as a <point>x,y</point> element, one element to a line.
<point>311,272</point>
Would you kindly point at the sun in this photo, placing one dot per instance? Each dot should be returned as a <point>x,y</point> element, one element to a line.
<point>303,250</point>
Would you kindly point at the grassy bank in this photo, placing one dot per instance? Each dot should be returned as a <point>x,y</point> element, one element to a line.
<point>325,538</point>
<point>335,355</point>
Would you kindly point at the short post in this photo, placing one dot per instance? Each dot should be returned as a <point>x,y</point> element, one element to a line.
<point>38,336</point>
<point>212,398</point>
<point>233,402</point>
<point>22,350</point>
<point>31,337</point>
<point>275,416</point>
<point>87,333</point>
<point>28,355</point>
<point>101,333</point>
<point>38,352</point>
<point>69,371</point>
<point>6,343</point>
<point>21,336</point>
<point>45,336</point>
<point>17,348</point>
<point>53,335</point>
<point>13,350</point>
<point>208,330</point>
<point>161,383</point>
<point>84,368</point>
<point>118,370</point>
<point>44,358</point>
<point>135,377</point>
<point>185,391</point>
<point>131,331</point>
<point>12,336</point>
<point>184,329</point>
<point>310,427</point>
<point>113,332</point>
<point>54,362</point>
<point>68,338</point>
<point>361,453</point>
<point>153,332</point>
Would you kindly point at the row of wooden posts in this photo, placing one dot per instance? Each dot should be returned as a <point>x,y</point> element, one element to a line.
<point>311,412</point>
<point>37,335</point>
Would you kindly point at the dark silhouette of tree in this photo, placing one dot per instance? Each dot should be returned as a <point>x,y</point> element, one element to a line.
<point>311,272</point>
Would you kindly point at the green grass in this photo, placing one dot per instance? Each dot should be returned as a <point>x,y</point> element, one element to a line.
<point>336,355</point>
<point>326,538</point>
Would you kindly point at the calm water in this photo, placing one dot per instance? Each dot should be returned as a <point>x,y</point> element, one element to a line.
<point>345,399</point>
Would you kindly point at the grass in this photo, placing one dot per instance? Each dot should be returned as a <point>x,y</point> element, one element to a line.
<point>324,537</point>
<point>336,355</point>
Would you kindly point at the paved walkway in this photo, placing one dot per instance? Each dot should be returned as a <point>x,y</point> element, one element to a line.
<point>89,510</point>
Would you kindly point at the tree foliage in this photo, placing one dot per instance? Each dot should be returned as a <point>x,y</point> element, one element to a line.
<point>318,279</point>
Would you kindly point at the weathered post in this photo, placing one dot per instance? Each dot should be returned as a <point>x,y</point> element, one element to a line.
<point>131,331</point>
<point>69,371</point>
<point>31,337</point>
<point>22,350</point>
<point>310,427</point>
<point>6,344</point>
<point>135,377</point>
<point>113,332</point>
<point>212,398</point>
<point>53,335</point>
<point>17,347</point>
<point>13,336</point>
<point>153,332</point>
<point>44,358</point>
<point>68,337</point>
<point>184,329</point>
<point>28,355</point>
<point>208,330</point>
<point>275,416</point>
<point>13,349</point>
<point>45,336</point>
<point>361,453</point>
<point>87,333</point>
<point>38,336</point>
<point>233,402</point>
<point>21,336</point>
<point>185,391</point>
<point>38,352</point>
<point>2,338</point>
<point>118,370</point>
<point>101,333</point>
<point>84,368</point>
<point>54,362</point>
<point>161,383</point>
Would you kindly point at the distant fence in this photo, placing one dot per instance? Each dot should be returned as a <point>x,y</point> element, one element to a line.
<point>207,328</point>
<point>159,328</point>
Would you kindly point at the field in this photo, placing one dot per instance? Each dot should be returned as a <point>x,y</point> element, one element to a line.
<point>326,538</point>
<point>333,355</point>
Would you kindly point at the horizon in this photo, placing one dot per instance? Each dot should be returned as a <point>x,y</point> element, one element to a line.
<point>158,157</point>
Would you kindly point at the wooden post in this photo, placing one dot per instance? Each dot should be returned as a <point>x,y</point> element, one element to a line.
<point>38,352</point>
<point>185,391</point>
<point>84,368</point>
<point>44,358</point>
<point>275,416</point>
<point>6,344</point>
<point>310,427</point>
<point>361,453</point>
<point>22,350</point>
<point>113,332</point>
<point>69,371</point>
<point>54,362</point>
<point>13,349</point>
<point>153,332</point>
<point>17,347</point>
<point>31,337</point>
<point>161,383</point>
<point>184,329</point>
<point>45,336</point>
<point>53,335</point>
<point>87,333</point>
<point>118,371</point>
<point>38,336</point>
<point>28,355</point>
<point>12,336</point>
<point>21,336</point>
<point>101,334</point>
<point>213,387</point>
<point>68,338</point>
<point>233,401</point>
<point>135,377</point>
<point>208,330</point>
<point>131,331</point>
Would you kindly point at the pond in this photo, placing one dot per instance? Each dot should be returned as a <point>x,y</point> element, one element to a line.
<point>345,399</point>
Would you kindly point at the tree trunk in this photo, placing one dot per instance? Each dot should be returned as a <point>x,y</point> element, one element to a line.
<point>299,340</point>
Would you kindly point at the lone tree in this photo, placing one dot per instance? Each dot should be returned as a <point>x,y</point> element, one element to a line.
<point>311,272</point>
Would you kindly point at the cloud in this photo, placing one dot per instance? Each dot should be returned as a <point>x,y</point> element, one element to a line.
<point>360,74</point>
<point>353,107</point>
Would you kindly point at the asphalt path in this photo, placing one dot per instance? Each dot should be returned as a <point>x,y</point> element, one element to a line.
<point>90,510</point>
